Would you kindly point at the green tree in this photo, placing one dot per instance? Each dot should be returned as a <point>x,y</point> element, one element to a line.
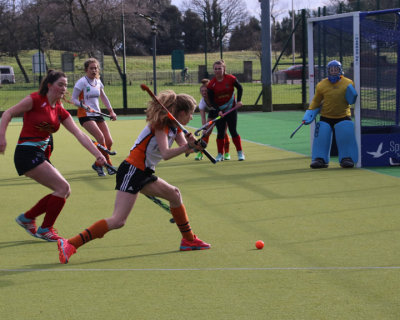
<point>246,36</point>
<point>194,32</point>
<point>170,32</point>
<point>283,31</point>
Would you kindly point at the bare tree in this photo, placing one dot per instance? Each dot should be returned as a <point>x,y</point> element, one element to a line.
<point>99,23</point>
<point>232,13</point>
<point>14,32</point>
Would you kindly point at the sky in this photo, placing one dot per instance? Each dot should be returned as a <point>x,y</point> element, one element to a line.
<point>254,5</point>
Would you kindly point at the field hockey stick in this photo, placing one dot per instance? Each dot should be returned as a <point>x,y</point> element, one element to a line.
<point>206,125</point>
<point>297,129</point>
<point>110,167</point>
<point>162,205</point>
<point>209,129</point>
<point>209,123</point>
<point>205,134</point>
<point>101,147</point>
<point>171,116</point>
<point>207,154</point>
<point>88,109</point>
<point>202,143</point>
<point>154,199</point>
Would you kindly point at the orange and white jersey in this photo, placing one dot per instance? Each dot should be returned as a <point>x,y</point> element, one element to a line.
<point>145,152</point>
<point>88,91</point>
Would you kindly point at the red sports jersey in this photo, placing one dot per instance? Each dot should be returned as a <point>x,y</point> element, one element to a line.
<point>223,90</point>
<point>41,120</point>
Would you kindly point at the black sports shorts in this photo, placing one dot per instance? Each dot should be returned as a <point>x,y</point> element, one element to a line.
<point>82,120</point>
<point>131,179</point>
<point>28,157</point>
<point>332,121</point>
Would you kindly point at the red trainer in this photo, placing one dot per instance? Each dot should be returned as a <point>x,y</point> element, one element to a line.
<point>196,244</point>
<point>48,234</point>
<point>65,250</point>
<point>28,224</point>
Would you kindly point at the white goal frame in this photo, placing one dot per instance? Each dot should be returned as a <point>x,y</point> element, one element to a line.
<point>356,62</point>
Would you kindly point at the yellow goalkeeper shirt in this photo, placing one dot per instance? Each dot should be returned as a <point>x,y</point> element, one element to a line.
<point>332,97</point>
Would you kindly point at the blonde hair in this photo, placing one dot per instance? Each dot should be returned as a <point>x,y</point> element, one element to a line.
<point>157,117</point>
<point>89,61</point>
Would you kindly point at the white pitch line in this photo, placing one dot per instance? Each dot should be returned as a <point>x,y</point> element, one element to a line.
<point>209,269</point>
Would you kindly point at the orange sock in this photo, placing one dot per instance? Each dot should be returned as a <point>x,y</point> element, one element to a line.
<point>182,221</point>
<point>106,155</point>
<point>97,230</point>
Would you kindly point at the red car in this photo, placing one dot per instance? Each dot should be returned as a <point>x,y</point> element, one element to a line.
<point>294,72</point>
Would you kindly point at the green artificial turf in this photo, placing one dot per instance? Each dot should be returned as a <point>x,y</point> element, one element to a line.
<point>331,236</point>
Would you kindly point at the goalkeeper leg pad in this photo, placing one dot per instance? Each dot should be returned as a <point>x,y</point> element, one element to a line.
<point>322,141</point>
<point>346,140</point>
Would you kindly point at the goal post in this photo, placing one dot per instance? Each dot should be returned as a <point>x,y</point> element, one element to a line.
<point>368,46</point>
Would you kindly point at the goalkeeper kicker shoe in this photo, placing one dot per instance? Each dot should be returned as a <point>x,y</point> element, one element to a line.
<point>347,163</point>
<point>318,163</point>
<point>48,234</point>
<point>28,224</point>
<point>227,156</point>
<point>196,244</point>
<point>99,170</point>
<point>65,250</point>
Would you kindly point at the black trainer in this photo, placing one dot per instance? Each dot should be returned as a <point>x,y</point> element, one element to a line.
<point>111,171</point>
<point>318,163</point>
<point>347,163</point>
<point>99,170</point>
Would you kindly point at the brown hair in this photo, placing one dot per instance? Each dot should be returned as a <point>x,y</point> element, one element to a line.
<point>157,117</point>
<point>51,77</point>
<point>220,62</point>
<point>89,61</point>
<point>204,83</point>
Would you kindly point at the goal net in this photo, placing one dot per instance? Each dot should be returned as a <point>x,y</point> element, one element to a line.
<point>368,46</point>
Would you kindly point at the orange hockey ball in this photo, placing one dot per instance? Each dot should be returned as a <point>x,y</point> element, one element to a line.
<point>259,244</point>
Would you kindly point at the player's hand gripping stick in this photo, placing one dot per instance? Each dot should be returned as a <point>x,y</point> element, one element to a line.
<point>198,142</point>
<point>101,147</point>
<point>89,109</point>
<point>171,116</point>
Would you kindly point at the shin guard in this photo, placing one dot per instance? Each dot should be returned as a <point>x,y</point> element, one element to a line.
<point>322,141</point>
<point>346,140</point>
<point>182,221</point>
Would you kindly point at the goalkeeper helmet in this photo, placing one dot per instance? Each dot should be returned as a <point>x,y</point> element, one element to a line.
<point>334,69</point>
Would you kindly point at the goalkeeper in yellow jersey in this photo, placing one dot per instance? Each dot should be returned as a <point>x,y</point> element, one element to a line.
<point>332,99</point>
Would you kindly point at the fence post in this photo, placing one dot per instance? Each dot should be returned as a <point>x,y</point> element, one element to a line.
<point>266,74</point>
<point>304,54</point>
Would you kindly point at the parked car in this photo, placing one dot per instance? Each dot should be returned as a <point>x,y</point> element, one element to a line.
<point>294,72</point>
<point>7,75</point>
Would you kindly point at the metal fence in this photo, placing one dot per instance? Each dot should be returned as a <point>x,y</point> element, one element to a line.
<point>286,91</point>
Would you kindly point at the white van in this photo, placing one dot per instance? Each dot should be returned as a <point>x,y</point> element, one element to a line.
<point>7,75</point>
